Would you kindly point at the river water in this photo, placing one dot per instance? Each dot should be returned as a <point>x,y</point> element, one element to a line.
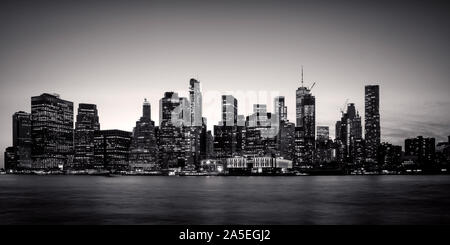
<point>26,199</point>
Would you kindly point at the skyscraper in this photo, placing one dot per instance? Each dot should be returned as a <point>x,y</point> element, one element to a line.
<point>143,149</point>
<point>22,142</point>
<point>306,125</point>
<point>323,132</point>
<point>260,136</point>
<point>306,110</point>
<point>196,123</point>
<point>167,106</point>
<point>226,134</point>
<point>280,108</point>
<point>171,136</point>
<point>372,121</point>
<point>286,140</point>
<point>350,135</point>
<point>112,148</point>
<point>195,97</point>
<point>86,125</point>
<point>51,131</point>
<point>229,110</point>
<point>324,146</point>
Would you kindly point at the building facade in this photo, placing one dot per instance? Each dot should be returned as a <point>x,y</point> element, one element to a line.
<point>51,131</point>
<point>372,121</point>
<point>22,141</point>
<point>421,150</point>
<point>112,149</point>
<point>85,127</point>
<point>144,148</point>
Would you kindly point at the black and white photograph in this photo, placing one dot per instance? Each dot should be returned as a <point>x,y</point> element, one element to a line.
<point>224,113</point>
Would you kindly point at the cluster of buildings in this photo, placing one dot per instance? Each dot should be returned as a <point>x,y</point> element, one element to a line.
<point>262,142</point>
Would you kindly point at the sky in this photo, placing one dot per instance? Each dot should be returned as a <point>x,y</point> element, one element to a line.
<point>116,53</point>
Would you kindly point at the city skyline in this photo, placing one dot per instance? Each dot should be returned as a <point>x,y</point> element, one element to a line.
<point>116,61</point>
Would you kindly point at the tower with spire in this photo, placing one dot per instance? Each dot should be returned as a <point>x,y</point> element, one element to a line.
<point>305,130</point>
<point>143,150</point>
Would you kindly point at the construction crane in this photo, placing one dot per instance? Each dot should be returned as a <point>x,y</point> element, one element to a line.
<point>312,86</point>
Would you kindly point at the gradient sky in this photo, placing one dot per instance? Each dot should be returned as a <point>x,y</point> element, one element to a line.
<point>116,53</point>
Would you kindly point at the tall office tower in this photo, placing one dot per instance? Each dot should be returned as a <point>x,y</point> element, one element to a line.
<point>337,130</point>
<point>146,110</point>
<point>280,108</point>
<point>193,133</point>
<point>171,140</point>
<point>306,125</point>
<point>225,141</point>
<point>51,131</point>
<point>22,142</point>
<point>306,110</point>
<point>86,125</point>
<point>10,158</point>
<point>112,148</point>
<point>287,140</point>
<point>209,144</point>
<point>324,146</point>
<point>280,114</point>
<point>229,110</point>
<point>350,131</point>
<point>144,150</point>
<point>323,133</point>
<point>260,136</point>
<point>204,140</point>
<point>372,121</point>
<point>195,97</point>
<point>182,117</point>
<point>226,134</point>
<point>421,150</point>
<point>18,156</point>
<point>167,107</point>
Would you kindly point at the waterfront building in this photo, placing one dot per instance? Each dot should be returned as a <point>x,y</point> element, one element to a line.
<point>350,136</point>
<point>51,131</point>
<point>111,149</point>
<point>171,133</point>
<point>389,156</point>
<point>10,158</point>
<point>372,121</point>
<point>257,165</point>
<point>22,141</point>
<point>86,125</point>
<point>144,149</point>
<point>422,151</point>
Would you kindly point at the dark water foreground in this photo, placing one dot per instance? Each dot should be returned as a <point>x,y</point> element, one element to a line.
<point>224,200</point>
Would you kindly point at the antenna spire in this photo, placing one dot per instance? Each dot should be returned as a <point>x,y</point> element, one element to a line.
<point>302,75</point>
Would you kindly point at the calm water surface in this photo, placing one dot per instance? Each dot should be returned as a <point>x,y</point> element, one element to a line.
<point>224,200</point>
